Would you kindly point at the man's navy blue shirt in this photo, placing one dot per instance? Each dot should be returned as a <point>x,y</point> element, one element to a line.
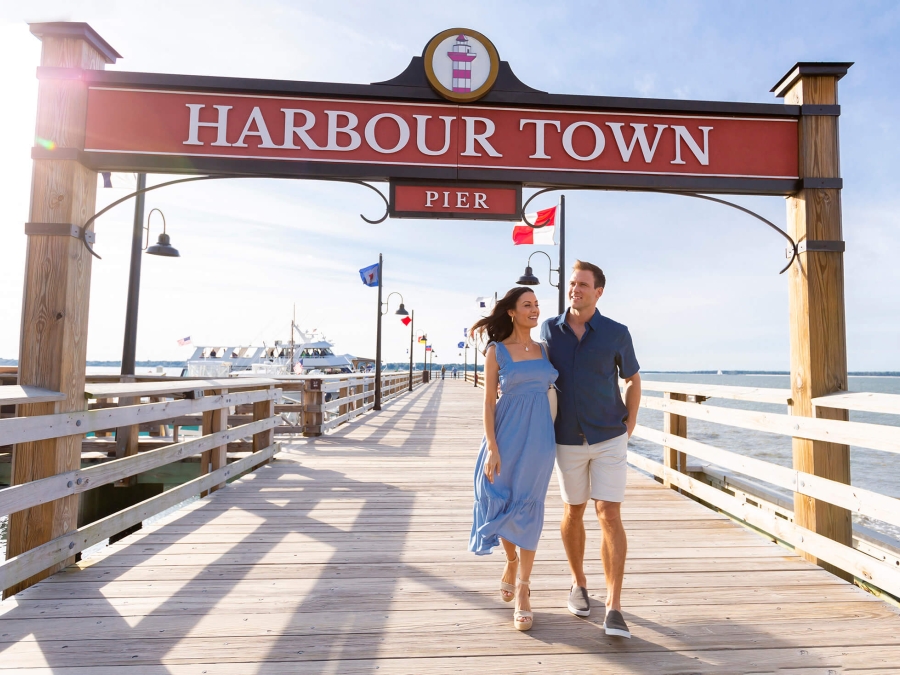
<point>590,405</point>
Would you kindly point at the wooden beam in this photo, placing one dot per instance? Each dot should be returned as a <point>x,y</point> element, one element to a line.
<point>674,425</point>
<point>53,337</point>
<point>817,316</point>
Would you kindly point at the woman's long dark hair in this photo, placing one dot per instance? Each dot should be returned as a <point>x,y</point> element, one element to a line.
<point>498,325</point>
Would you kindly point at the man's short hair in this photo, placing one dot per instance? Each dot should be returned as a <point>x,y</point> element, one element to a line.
<point>599,277</point>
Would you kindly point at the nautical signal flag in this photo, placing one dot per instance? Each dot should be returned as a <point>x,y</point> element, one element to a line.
<point>423,339</point>
<point>465,332</point>
<point>427,348</point>
<point>461,345</point>
<point>544,234</point>
<point>369,275</point>
<point>406,321</point>
<point>482,302</point>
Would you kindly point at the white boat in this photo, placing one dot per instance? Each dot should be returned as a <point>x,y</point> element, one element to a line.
<point>311,353</point>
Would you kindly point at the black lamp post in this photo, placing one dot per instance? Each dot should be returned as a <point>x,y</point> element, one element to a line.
<point>529,279</point>
<point>412,328</point>
<point>424,338</point>
<point>163,247</point>
<point>382,310</point>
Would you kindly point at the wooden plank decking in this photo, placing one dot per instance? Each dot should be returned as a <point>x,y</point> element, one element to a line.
<point>348,555</point>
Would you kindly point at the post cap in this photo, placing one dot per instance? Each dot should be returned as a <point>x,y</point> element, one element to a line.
<point>836,68</point>
<point>75,29</point>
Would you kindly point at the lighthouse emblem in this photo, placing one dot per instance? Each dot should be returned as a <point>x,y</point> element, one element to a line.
<point>462,56</point>
<point>461,64</point>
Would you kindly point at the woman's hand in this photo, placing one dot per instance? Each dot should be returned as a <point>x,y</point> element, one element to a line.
<point>492,463</point>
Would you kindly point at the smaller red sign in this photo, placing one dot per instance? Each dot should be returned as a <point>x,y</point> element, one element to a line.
<point>466,201</point>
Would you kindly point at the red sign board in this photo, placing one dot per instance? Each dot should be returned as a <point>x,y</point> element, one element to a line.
<point>465,141</point>
<point>456,200</point>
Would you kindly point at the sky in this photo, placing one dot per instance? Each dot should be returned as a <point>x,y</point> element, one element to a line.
<point>697,283</point>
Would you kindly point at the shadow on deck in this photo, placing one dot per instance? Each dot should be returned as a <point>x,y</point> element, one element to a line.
<point>348,555</point>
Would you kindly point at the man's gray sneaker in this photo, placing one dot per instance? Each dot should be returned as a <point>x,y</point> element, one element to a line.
<point>579,603</point>
<point>615,624</point>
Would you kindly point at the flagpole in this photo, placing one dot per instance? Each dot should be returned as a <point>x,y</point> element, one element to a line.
<point>412,330</point>
<point>377,405</point>
<point>561,278</point>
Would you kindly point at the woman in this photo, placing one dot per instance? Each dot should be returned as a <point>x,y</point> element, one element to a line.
<point>518,449</point>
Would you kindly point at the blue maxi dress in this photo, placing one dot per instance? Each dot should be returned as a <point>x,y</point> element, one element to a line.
<point>512,507</point>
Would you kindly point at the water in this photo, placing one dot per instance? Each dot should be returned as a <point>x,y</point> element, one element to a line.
<point>873,470</point>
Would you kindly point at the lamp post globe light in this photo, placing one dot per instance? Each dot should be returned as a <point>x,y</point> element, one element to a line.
<point>383,308</point>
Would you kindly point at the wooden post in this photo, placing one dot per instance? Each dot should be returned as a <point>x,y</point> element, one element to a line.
<point>214,421</point>
<point>313,398</point>
<point>674,425</point>
<point>263,410</point>
<point>816,283</point>
<point>53,336</point>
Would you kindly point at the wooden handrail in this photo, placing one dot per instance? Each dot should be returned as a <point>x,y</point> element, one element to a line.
<point>40,427</point>
<point>874,436</point>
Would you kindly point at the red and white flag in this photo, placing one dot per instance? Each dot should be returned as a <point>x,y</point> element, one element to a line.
<point>538,236</point>
<point>184,341</point>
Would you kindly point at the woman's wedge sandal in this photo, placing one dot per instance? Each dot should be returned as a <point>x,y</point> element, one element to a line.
<point>523,620</point>
<point>508,588</point>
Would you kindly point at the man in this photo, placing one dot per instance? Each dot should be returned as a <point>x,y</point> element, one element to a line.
<point>593,424</point>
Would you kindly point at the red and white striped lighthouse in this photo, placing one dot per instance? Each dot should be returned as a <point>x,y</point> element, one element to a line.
<point>462,58</point>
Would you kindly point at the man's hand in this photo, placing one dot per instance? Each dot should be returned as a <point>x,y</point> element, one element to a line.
<point>632,401</point>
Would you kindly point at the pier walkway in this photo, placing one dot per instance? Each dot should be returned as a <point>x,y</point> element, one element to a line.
<point>347,554</point>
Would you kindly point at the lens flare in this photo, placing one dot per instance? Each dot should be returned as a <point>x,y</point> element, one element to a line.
<point>44,143</point>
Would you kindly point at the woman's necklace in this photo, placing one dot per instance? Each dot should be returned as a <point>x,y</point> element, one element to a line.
<point>524,345</point>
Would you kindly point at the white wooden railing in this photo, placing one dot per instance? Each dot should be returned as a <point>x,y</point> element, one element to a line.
<point>727,480</point>
<point>237,420</point>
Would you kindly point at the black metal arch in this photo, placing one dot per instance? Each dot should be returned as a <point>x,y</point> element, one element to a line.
<point>198,178</point>
<point>793,244</point>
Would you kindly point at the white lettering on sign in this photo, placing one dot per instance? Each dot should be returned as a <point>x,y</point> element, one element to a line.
<point>421,122</point>
<point>291,128</point>
<point>639,137</point>
<point>599,141</point>
<point>348,130</point>
<point>343,134</point>
<point>701,155</point>
<point>373,142</point>
<point>262,131</point>
<point>446,200</point>
<point>194,125</point>
<point>482,138</point>
<point>430,196</point>
<point>462,200</point>
<point>538,136</point>
<point>481,200</point>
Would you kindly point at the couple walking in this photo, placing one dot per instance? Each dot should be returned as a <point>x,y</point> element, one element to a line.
<point>582,354</point>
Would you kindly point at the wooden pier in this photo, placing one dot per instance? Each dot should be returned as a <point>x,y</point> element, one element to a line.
<point>347,554</point>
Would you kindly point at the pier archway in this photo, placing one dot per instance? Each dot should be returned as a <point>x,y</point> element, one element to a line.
<point>456,117</point>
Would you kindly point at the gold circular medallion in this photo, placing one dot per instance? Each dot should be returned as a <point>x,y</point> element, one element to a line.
<point>461,64</point>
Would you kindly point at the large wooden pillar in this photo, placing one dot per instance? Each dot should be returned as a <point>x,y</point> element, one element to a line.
<point>53,335</point>
<point>818,325</point>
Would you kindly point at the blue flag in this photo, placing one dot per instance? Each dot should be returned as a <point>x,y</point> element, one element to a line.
<point>461,345</point>
<point>369,275</point>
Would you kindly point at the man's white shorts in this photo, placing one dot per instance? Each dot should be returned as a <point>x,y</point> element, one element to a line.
<point>595,471</point>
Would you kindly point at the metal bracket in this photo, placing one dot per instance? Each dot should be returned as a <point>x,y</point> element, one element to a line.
<point>817,246</point>
<point>822,183</point>
<point>60,230</point>
<point>63,230</point>
<point>824,110</point>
